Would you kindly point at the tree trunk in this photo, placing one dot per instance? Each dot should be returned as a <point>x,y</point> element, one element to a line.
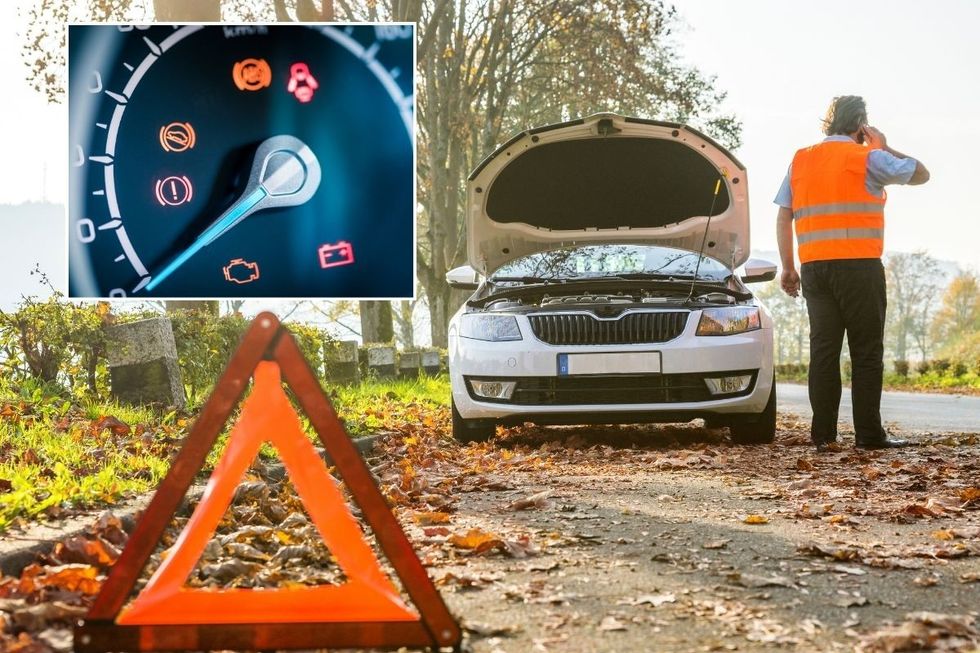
<point>187,10</point>
<point>376,322</point>
<point>406,326</point>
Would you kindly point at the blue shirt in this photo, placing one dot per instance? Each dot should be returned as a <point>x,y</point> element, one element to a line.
<point>883,168</point>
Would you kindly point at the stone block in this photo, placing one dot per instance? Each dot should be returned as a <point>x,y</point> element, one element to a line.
<point>341,361</point>
<point>408,364</point>
<point>381,360</point>
<point>143,365</point>
<point>430,362</point>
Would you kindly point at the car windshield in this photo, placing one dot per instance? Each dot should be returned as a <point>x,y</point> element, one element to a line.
<point>598,261</point>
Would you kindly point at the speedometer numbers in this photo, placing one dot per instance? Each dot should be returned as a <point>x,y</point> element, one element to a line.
<point>230,161</point>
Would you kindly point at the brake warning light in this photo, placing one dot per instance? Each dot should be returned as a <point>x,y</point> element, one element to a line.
<point>251,74</point>
<point>301,84</point>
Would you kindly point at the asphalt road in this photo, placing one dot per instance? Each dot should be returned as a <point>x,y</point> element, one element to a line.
<point>909,410</point>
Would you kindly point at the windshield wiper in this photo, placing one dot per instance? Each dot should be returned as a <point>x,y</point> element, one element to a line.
<point>604,283</point>
<point>526,279</point>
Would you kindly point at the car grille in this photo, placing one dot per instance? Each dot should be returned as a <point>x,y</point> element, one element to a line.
<point>586,329</point>
<point>612,389</point>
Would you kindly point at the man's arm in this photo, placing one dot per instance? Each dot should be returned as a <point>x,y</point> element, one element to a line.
<point>877,141</point>
<point>790,279</point>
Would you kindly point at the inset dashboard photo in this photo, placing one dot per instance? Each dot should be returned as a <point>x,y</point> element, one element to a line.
<point>223,161</point>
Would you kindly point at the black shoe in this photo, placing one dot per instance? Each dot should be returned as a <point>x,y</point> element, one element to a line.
<point>884,443</point>
<point>827,445</point>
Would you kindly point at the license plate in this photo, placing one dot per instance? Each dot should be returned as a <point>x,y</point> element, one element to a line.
<point>643,362</point>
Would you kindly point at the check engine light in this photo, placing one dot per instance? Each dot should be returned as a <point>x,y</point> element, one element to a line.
<point>726,385</point>
<point>241,271</point>
<point>728,320</point>
<point>493,328</point>
<point>493,389</point>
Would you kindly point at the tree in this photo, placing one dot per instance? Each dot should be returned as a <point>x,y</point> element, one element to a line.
<point>791,325</point>
<point>913,284</point>
<point>376,322</point>
<point>959,314</point>
<point>496,67</point>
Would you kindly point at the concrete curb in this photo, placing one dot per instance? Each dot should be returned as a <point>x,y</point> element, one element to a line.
<point>18,551</point>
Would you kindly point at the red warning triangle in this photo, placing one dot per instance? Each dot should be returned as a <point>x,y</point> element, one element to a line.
<point>367,610</point>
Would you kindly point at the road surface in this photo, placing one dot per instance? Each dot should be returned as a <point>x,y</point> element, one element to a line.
<point>910,410</point>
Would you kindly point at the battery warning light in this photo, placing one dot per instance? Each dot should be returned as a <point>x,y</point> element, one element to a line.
<point>332,255</point>
<point>251,74</point>
<point>302,84</point>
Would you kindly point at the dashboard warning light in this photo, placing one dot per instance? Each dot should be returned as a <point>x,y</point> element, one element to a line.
<point>251,74</point>
<point>302,84</point>
<point>332,255</point>
<point>174,191</point>
<point>241,271</point>
<point>177,137</point>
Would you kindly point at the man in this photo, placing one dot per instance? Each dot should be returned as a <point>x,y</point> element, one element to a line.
<point>833,195</point>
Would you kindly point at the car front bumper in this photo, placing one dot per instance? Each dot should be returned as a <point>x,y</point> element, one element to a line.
<point>676,393</point>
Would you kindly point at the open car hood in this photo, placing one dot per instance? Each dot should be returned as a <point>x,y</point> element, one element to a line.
<point>606,179</point>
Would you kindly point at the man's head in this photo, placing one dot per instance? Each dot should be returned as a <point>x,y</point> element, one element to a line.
<point>845,115</point>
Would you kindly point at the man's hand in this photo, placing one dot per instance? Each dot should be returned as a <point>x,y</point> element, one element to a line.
<point>790,282</point>
<point>874,138</point>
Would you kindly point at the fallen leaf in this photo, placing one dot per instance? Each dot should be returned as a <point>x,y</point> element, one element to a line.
<point>538,500</point>
<point>756,580</point>
<point>476,540</point>
<point>611,623</point>
<point>430,518</point>
<point>716,544</point>
<point>656,600</point>
<point>755,519</point>
<point>37,617</point>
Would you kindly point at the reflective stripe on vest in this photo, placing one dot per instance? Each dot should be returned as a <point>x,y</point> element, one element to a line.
<point>834,215</point>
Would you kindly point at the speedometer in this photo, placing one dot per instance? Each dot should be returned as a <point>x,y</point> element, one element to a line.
<point>241,161</point>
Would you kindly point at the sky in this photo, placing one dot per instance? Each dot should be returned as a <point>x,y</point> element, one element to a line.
<point>780,62</point>
<point>915,65</point>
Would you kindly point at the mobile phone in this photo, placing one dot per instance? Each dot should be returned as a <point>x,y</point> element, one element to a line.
<point>860,135</point>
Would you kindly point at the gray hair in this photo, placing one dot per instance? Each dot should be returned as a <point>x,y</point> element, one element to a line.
<point>845,115</point>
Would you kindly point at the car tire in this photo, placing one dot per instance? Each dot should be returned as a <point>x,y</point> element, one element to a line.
<point>471,430</point>
<point>761,430</point>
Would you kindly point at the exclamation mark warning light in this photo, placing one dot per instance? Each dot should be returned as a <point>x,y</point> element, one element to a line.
<point>174,191</point>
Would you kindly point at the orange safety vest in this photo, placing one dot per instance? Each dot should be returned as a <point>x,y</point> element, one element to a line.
<point>834,214</point>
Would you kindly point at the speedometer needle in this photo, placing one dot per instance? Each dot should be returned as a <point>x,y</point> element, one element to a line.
<point>285,172</point>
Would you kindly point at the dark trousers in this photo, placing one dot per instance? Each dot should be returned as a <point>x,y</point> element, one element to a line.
<point>845,296</point>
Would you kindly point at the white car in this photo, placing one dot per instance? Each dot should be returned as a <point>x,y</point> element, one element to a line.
<point>592,304</point>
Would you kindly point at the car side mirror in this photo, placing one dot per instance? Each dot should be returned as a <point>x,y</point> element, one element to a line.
<point>463,278</point>
<point>757,270</point>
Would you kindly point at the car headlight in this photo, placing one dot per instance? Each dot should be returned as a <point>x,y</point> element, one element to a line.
<point>489,327</point>
<point>727,320</point>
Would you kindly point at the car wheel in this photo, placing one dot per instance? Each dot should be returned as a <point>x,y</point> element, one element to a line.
<point>761,430</point>
<point>471,430</point>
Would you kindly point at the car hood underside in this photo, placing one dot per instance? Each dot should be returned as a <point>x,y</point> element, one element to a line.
<point>607,179</point>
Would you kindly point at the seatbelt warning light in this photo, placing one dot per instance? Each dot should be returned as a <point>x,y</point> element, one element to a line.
<point>332,255</point>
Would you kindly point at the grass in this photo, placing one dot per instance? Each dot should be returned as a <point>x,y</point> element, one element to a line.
<point>57,454</point>
<point>931,381</point>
